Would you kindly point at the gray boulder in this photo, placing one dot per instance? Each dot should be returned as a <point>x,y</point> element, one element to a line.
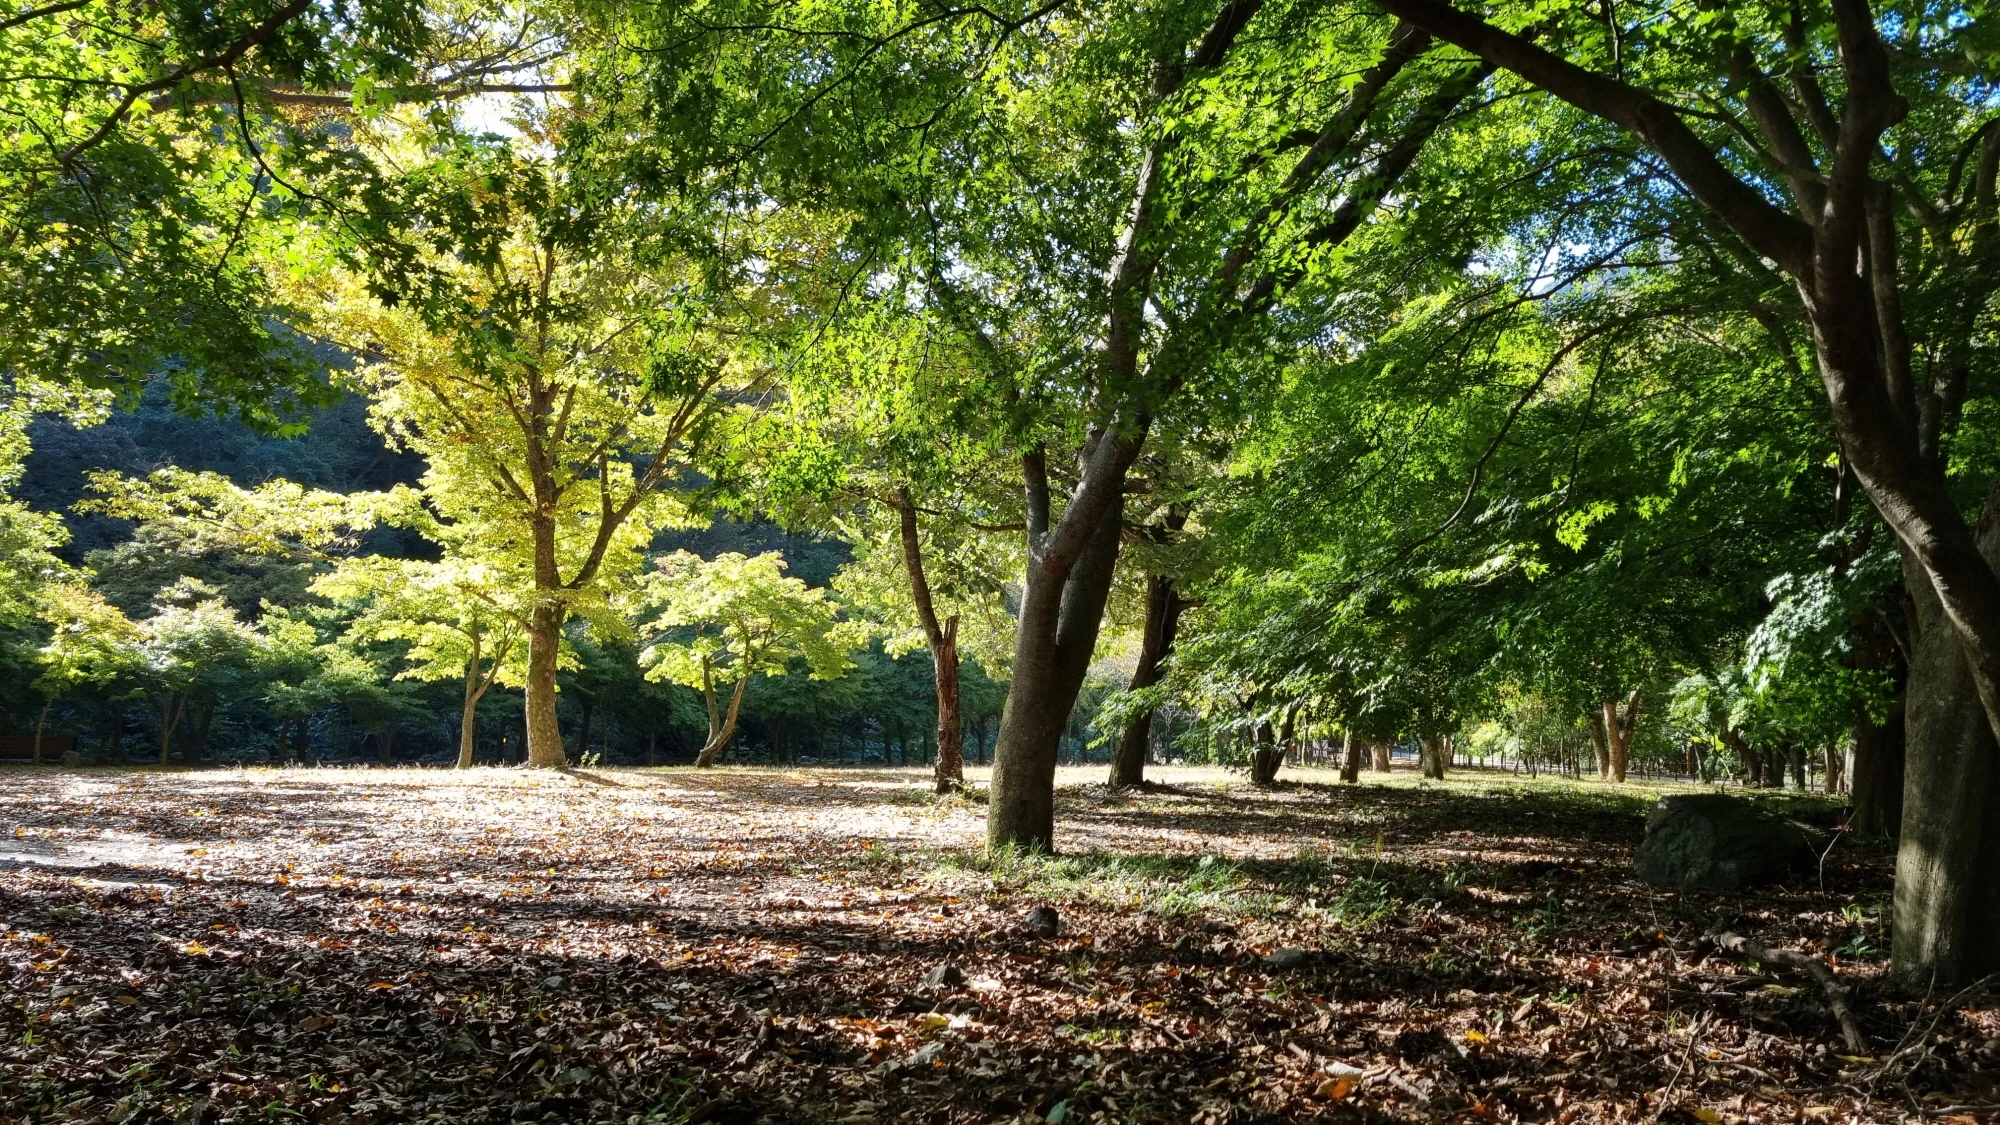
<point>1713,842</point>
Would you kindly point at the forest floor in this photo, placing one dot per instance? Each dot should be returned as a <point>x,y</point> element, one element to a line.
<point>744,945</point>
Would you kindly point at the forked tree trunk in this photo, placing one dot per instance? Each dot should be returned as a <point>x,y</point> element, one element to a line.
<point>172,707</point>
<point>1163,615</point>
<point>545,744</point>
<point>721,725</point>
<point>1598,743</point>
<point>468,723</point>
<point>1753,765</point>
<point>1067,581</point>
<point>1350,758</point>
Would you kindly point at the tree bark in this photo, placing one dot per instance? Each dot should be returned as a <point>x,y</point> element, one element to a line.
<point>1875,783</point>
<point>545,743</point>
<point>1616,753</point>
<point>948,772</point>
<point>1431,754</point>
<point>468,725</point>
<point>1378,755</point>
<point>1163,614</point>
<point>1947,930</point>
<point>1350,757</point>
<point>1600,743</point>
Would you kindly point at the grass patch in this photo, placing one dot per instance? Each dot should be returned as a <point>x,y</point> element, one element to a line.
<point>1166,885</point>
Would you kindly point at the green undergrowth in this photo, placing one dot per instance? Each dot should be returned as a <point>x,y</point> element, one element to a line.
<point>1179,886</point>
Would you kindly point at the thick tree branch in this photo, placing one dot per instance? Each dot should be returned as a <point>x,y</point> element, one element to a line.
<point>1777,235</point>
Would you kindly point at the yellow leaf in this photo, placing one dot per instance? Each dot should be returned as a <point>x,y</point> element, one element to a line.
<point>1475,1037</point>
<point>380,986</point>
<point>1707,1115</point>
<point>194,947</point>
<point>314,1023</point>
<point>933,1021</point>
<point>1856,1058</point>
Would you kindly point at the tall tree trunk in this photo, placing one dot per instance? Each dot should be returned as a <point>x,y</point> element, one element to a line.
<point>117,732</point>
<point>1431,755</point>
<point>172,706</point>
<point>1068,578</point>
<point>1600,743</point>
<point>1616,753</point>
<point>949,770</point>
<point>468,723</point>
<point>387,742</point>
<point>1163,613</point>
<point>1833,759</point>
<point>1350,757</point>
<point>41,721</point>
<point>1947,911</point>
<point>197,733</point>
<point>545,743</point>
<point>1379,759</point>
<point>1876,783</point>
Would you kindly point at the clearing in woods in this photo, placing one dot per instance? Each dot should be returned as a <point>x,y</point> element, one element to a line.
<point>754,944</point>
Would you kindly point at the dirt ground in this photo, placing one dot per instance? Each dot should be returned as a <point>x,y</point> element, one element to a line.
<point>788,945</point>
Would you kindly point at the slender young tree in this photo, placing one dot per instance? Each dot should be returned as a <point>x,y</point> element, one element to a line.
<point>552,378</point>
<point>712,624</point>
<point>455,621</point>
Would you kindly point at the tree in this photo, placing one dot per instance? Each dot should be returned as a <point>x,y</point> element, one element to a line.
<point>1886,257</point>
<point>190,636</point>
<point>452,618</point>
<point>1118,249</point>
<point>91,645</point>
<point>932,571</point>
<point>553,376</point>
<point>151,155</point>
<point>712,624</point>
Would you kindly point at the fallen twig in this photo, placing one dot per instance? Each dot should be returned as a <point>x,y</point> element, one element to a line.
<point>1836,993</point>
